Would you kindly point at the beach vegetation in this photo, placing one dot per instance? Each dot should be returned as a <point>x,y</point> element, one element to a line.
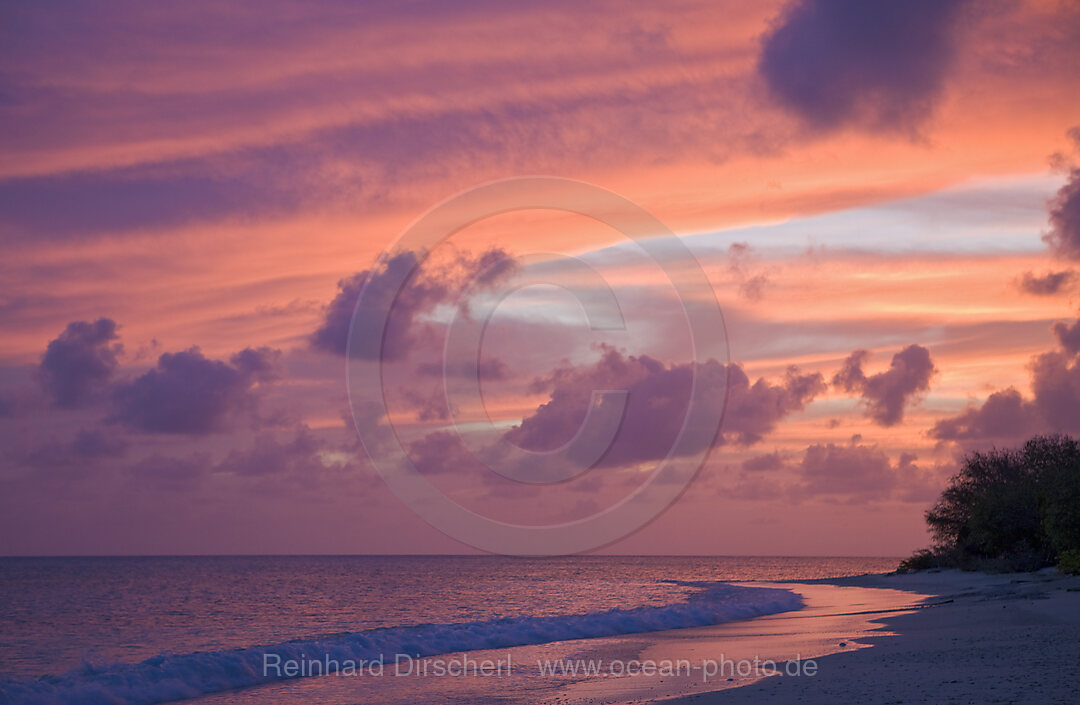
<point>1069,562</point>
<point>922,559</point>
<point>1008,510</point>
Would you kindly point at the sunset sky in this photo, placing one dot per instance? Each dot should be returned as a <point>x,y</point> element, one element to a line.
<point>885,200</point>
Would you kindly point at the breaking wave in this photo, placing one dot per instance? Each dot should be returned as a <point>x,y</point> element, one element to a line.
<point>180,676</point>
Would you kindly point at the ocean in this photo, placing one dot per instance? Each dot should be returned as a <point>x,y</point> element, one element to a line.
<point>144,630</point>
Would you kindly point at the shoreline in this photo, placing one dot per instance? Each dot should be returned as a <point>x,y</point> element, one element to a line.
<point>834,611</point>
<point>931,637</point>
<point>834,618</point>
<point>996,638</point>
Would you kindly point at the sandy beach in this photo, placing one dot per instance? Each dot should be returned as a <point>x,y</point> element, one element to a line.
<point>1011,638</point>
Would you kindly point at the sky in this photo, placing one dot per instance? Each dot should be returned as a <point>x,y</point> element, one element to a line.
<point>206,208</point>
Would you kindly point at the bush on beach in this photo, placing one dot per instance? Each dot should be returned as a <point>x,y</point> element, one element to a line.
<point>922,559</point>
<point>1070,562</point>
<point>1008,510</point>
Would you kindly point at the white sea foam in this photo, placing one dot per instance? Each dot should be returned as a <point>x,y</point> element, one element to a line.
<point>174,677</point>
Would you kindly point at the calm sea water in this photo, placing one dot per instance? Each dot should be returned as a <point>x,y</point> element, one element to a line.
<point>84,622</point>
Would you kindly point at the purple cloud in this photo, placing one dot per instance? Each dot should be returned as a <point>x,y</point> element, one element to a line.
<point>1068,336</point>
<point>887,393</point>
<point>440,452</point>
<point>842,470</point>
<point>430,406</point>
<point>7,406</point>
<point>847,62</point>
<point>655,408</point>
<point>865,472</point>
<point>1003,415</point>
<point>78,364</point>
<point>658,395</point>
<point>1007,415</point>
<point>392,151</point>
<point>657,398</point>
<point>760,463</point>
<point>850,377</point>
<point>416,296</point>
<point>840,473</point>
<point>167,194</point>
<point>300,457</point>
<point>188,393</point>
<point>96,443</point>
<point>1048,284</point>
<point>168,473</point>
<point>1055,384</point>
<point>78,457</point>
<point>1064,234</point>
<point>426,286</point>
<point>753,410</point>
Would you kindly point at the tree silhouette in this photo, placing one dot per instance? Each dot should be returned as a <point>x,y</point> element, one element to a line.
<point>1009,509</point>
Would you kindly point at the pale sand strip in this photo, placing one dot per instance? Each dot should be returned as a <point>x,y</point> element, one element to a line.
<point>836,618</point>
<point>1002,639</point>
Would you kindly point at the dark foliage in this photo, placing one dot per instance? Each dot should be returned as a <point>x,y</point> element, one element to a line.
<point>923,559</point>
<point>1008,510</point>
<point>1070,562</point>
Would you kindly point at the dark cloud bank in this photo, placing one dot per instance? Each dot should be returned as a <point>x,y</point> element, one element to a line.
<point>185,393</point>
<point>657,399</point>
<point>656,406</point>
